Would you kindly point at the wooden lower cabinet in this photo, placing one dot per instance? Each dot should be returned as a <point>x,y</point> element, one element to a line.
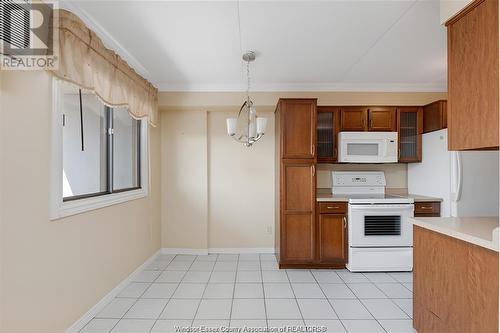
<point>315,242</point>
<point>427,209</point>
<point>332,239</point>
<point>455,285</point>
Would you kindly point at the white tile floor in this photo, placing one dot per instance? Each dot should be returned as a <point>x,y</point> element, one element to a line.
<point>248,290</point>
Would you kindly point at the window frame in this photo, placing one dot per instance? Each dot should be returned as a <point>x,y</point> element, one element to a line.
<point>59,207</point>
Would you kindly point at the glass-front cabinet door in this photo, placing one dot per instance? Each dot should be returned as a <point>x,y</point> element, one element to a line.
<point>327,128</point>
<point>410,128</point>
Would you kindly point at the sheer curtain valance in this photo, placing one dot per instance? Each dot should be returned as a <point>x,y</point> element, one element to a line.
<point>85,62</point>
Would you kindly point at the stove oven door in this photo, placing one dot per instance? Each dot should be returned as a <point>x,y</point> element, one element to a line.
<point>380,225</point>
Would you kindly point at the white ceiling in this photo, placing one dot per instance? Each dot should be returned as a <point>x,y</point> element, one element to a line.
<point>301,45</point>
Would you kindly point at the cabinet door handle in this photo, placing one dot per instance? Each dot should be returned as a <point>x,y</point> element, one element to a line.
<point>371,123</point>
<point>312,149</point>
<point>345,222</point>
<point>426,207</point>
<point>332,207</point>
<point>314,170</point>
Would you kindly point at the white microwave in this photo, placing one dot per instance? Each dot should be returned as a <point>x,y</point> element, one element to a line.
<point>368,147</point>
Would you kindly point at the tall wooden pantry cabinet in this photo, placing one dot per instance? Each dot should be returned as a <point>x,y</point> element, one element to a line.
<point>295,122</point>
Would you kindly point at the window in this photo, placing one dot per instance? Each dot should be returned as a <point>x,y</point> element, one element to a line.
<point>84,152</point>
<point>126,152</point>
<point>99,153</point>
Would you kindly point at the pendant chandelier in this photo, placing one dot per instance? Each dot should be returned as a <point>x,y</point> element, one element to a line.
<point>247,128</point>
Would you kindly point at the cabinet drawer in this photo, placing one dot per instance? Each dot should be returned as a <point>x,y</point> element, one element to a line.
<point>332,207</point>
<point>427,208</point>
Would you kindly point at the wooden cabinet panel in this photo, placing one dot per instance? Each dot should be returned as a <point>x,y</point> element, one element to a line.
<point>298,188</point>
<point>332,238</point>
<point>428,209</point>
<point>298,128</point>
<point>297,211</point>
<point>473,77</point>
<point>463,296</point>
<point>297,238</point>
<point>332,207</point>
<point>409,127</point>
<point>435,115</point>
<point>327,128</point>
<point>353,118</point>
<point>382,119</point>
<point>482,298</point>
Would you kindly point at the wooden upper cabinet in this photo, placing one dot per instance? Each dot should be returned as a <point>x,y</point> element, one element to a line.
<point>298,128</point>
<point>382,119</point>
<point>409,127</point>
<point>435,116</point>
<point>327,129</point>
<point>353,118</point>
<point>473,77</point>
<point>362,118</point>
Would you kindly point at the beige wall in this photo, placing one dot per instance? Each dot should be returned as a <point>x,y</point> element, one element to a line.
<point>55,271</point>
<point>241,187</point>
<point>219,194</point>
<point>216,193</point>
<point>184,179</point>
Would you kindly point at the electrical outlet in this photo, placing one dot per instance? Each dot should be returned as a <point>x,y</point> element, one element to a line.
<point>269,230</point>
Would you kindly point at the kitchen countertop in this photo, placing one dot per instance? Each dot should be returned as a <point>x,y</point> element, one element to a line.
<point>480,231</point>
<point>325,195</point>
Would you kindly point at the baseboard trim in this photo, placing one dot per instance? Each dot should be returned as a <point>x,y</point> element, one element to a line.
<point>80,323</point>
<point>222,250</point>
<point>237,250</point>
<point>175,250</point>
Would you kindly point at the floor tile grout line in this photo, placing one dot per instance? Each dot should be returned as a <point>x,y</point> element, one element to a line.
<point>387,297</point>
<point>165,306</point>
<point>392,300</point>
<point>136,300</point>
<point>201,299</point>
<point>234,291</point>
<point>326,297</point>
<point>295,297</point>
<point>263,293</point>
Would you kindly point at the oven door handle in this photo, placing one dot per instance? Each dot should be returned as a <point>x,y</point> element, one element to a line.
<point>381,207</point>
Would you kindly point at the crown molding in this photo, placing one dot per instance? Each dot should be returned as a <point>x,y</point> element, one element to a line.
<point>108,40</point>
<point>306,87</point>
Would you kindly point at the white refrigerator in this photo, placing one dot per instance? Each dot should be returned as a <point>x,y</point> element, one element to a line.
<point>467,181</point>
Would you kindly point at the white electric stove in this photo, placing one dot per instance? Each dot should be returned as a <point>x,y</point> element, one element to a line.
<point>379,233</point>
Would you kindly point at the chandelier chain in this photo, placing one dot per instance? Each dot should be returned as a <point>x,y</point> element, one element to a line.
<point>248,79</point>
